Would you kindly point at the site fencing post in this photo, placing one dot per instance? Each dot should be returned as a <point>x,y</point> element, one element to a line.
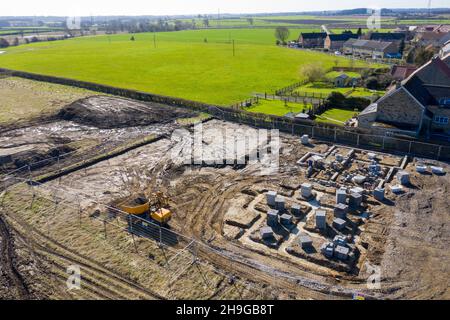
<point>335,134</point>
<point>439,153</point>
<point>410,145</point>
<point>79,209</point>
<point>312,132</point>
<point>384,138</point>
<point>357,139</point>
<point>104,229</point>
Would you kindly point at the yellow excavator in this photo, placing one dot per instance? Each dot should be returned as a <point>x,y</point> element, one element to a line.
<point>155,208</point>
<point>158,208</point>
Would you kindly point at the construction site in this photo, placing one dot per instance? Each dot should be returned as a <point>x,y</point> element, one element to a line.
<point>103,182</point>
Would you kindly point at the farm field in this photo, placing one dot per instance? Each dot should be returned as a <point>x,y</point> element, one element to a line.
<point>47,98</point>
<point>277,107</point>
<point>197,65</point>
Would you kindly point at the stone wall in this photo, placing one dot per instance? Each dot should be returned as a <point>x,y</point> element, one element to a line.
<point>400,108</point>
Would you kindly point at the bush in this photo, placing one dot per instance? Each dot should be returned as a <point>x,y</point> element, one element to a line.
<point>4,43</point>
<point>313,72</point>
<point>338,100</point>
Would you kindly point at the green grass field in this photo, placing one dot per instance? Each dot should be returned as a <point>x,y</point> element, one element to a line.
<point>336,116</point>
<point>197,65</point>
<point>322,88</point>
<point>334,74</point>
<point>363,92</point>
<point>277,107</point>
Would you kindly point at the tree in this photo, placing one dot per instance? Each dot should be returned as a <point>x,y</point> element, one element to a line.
<point>282,34</point>
<point>4,43</point>
<point>359,32</point>
<point>401,47</point>
<point>423,56</point>
<point>250,21</point>
<point>206,22</point>
<point>312,72</point>
<point>132,38</point>
<point>15,42</point>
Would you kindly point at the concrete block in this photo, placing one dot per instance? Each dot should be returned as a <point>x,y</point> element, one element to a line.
<point>355,200</point>
<point>359,179</point>
<point>340,210</point>
<point>403,177</point>
<point>327,249</point>
<point>340,241</point>
<point>304,139</point>
<point>272,217</point>
<point>341,195</point>
<point>321,219</point>
<point>306,190</point>
<point>437,170</point>
<point>378,194</point>
<point>279,203</point>
<point>339,223</point>
<point>296,209</point>
<point>358,190</point>
<point>421,168</point>
<point>286,219</point>
<point>305,241</point>
<point>270,196</point>
<point>341,252</point>
<point>266,233</point>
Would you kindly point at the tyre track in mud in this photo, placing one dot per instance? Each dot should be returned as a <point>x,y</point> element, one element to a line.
<point>98,275</point>
<point>8,261</point>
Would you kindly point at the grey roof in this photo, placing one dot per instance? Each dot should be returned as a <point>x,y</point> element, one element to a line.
<point>321,213</point>
<point>372,108</point>
<point>368,44</point>
<point>342,250</point>
<point>387,36</point>
<point>305,238</point>
<point>266,230</point>
<point>313,35</point>
<point>339,221</point>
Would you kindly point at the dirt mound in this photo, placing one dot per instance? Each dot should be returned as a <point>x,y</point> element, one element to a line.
<point>110,112</point>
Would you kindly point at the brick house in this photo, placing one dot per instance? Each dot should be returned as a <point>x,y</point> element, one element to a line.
<point>419,105</point>
<point>312,39</point>
<point>336,42</point>
<point>370,48</point>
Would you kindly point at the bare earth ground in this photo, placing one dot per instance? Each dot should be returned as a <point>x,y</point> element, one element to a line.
<point>407,236</point>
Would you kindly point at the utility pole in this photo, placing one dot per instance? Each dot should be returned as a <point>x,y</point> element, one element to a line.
<point>154,40</point>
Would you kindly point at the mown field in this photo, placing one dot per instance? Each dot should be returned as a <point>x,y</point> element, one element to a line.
<point>197,64</point>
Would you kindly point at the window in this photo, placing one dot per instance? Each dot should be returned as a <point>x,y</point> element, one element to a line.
<point>444,101</point>
<point>441,120</point>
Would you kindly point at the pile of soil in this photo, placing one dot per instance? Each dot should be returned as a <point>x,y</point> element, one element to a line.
<point>111,112</point>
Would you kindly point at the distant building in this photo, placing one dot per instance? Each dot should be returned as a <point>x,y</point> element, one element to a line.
<point>419,105</point>
<point>370,48</point>
<point>433,39</point>
<point>335,42</point>
<point>344,80</point>
<point>445,49</point>
<point>396,37</point>
<point>433,28</point>
<point>312,39</point>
